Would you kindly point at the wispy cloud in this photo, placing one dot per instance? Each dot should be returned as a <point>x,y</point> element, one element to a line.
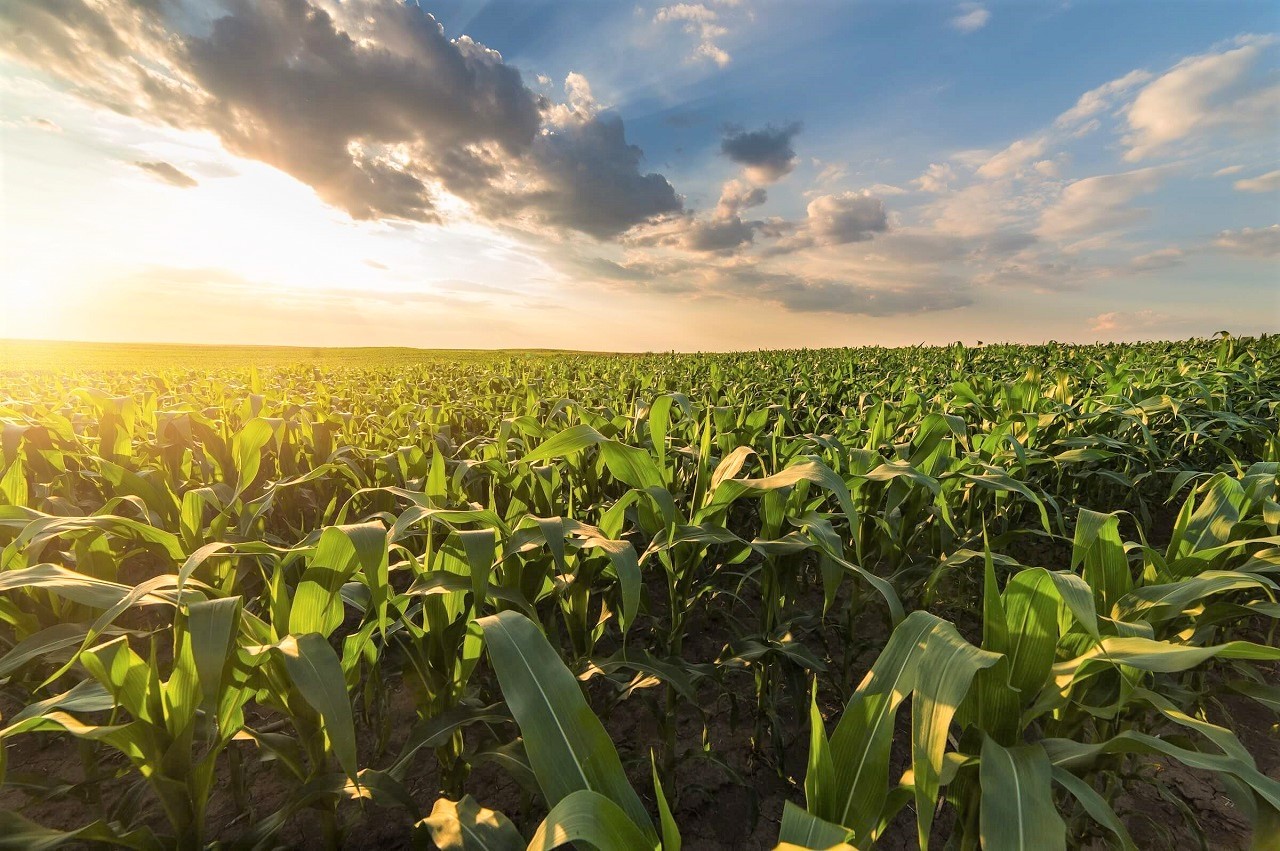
<point>971,17</point>
<point>704,23</point>
<point>1269,182</point>
<point>168,173</point>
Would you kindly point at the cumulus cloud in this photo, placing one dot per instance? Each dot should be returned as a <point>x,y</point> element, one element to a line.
<point>1252,242</point>
<point>936,178</point>
<point>723,232</point>
<point>847,217</point>
<point>1096,205</point>
<point>837,220</point>
<point>1202,93</point>
<point>168,173</point>
<point>592,181</point>
<point>1269,182</point>
<point>736,196</point>
<point>368,102</point>
<point>765,154</point>
<point>970,17</point>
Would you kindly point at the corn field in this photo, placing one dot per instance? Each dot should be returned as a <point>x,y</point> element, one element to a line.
<point>947,597</point>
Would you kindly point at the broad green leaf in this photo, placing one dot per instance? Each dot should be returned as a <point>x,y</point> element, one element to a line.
<point>1017,800</point>
<point>566,743</point>
<point>587,818</point>
<point>314,668</point>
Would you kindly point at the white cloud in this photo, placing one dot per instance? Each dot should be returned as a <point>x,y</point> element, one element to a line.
<point>936,178</point>
<point>1009,161</point>
<point>703,23</point>
<point>1253,242</point>
<point>1125,322</point>
<point>1164,258</point>
<point>1269,182</point>
<point>1202,93</point>
<point>986,208</point>
<point>1048,168</point>
<point>971,17</point>
<point>1096,205</point>
<point>1231,169</point>
<point>1097,100</point>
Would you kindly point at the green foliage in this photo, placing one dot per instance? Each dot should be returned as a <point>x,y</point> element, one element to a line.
<point>1062,559</point>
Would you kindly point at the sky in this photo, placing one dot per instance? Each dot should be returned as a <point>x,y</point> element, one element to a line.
<point>638,176</point>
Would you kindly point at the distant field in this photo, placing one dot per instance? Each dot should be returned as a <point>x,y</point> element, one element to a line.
<point>58,356</point>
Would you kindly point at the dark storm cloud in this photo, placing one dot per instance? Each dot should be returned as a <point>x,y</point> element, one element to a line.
<point>766,154</point>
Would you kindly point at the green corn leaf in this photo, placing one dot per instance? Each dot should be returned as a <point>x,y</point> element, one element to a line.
<point>566,743</point>
<point>314,668</point>
<point>585,817</point>
<point>801,829</point>
<point>1017,812</point>
<point>212,626</point>
<point>862,738</point>
<point>947,666</point>
<point>247,445</point>
<point>670,830</point>
<point>22,834</point>
<point>1095,805</point>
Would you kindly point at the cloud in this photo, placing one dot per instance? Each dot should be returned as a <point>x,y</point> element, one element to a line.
<point>1231,169</point>
<point>1097,100</point>
<point>766,154</point>
<point>811,294</point>
<point>368,102</point>
<point>1009,161</point>
<point>836,220</point>
<point>702,22</point>
<point>984,208</point>
<point>1202,93</point>
<point>971,17</point>
<point>1252,242</point>
<point>592,181</point>
<point>736,196</point>
<point>42,124</point>
<point>847,217</point>
<point>936,178</point>
<point>1269,182</point>
<point>1125,322</point>
<point>723,232</point>
<point>1155,261</point>
<point>168,173</point>
<point>1095,205</point>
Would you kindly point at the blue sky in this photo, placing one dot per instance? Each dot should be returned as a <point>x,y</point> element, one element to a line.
<point>699,175</point>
